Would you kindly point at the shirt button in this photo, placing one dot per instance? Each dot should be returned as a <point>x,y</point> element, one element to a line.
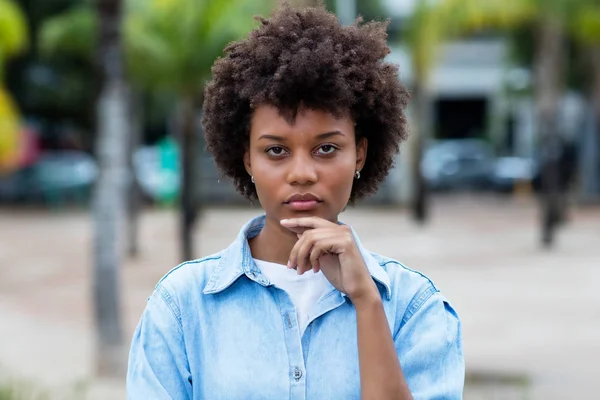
<point>297,373</point>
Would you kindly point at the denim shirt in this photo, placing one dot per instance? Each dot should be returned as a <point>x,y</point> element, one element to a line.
<point>216,329</point>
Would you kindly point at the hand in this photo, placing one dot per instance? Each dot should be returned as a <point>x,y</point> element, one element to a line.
<point>331,248</point>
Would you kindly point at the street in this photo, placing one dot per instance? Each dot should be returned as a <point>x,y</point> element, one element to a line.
<point>531,318</point>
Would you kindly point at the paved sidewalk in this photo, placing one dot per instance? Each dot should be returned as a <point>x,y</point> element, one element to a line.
<point>526,312</point>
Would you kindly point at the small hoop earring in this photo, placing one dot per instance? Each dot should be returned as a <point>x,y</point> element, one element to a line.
<point>252,178</point>
<point>357,174</point>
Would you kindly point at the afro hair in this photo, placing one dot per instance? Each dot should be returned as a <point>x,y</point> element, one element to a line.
<point>305,57</point>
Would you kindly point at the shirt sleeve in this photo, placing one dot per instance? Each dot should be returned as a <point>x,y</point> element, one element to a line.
<point>429,346</point>
<point>158,367</point>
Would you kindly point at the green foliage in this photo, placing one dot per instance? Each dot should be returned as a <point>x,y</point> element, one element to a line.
<point>169,44</point>
<point>172,44</point>
<point>433,22</point>
<point>424,34</point>
<point>13,29</point>
<point>72,33</point>
<point>368,9</point>
<point>24,389</point>
<point>13,32</point>
<point>20,391</point>
<point>586,23</point>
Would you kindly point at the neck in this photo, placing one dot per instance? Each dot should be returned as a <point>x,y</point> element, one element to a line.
<point>274,243</point>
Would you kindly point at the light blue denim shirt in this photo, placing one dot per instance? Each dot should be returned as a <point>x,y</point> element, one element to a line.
<point>216,329</point>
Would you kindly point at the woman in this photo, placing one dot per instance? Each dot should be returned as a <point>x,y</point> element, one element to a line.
<point>305,116</point>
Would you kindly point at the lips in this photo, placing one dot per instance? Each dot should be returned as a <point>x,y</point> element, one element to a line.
<point>303,202</point>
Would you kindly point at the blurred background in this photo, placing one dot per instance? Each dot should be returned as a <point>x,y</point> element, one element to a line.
<point>105,183</point>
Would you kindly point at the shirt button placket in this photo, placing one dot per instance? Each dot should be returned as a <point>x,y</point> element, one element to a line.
<point>297,374</point>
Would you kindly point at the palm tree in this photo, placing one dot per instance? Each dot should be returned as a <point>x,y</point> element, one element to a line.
<point>173,46</point>
<point>13,40</point>
<point>170,47</point>
<point>75,33</point>
<point>109,196</point>
<point>430,24</point>
<point>586,29</point>
<point>422,37</point>
<point>458,17</point>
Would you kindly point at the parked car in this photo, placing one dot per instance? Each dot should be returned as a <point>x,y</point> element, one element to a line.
<point>158,174</point>
<point>509,171</point>
<point>55,176</point>
<point>458,164</point>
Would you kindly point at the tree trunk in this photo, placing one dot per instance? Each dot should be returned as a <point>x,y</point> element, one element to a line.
<point>549,71</point>
<point>134,199</point>
<point>109,196</point>
<point>595,102</point>
<point>420,203</point>
<point>188,140</point>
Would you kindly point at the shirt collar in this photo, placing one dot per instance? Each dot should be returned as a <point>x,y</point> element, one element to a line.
<point>237,260</point>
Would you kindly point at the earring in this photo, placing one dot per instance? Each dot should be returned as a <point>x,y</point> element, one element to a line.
<point>252,178</point>
<point>357,174</point>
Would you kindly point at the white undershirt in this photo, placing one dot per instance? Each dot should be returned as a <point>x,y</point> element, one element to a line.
<point>304,290</point>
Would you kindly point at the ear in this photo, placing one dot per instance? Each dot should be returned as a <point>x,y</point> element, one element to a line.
<point>361,153</point>
<point>247,161</point>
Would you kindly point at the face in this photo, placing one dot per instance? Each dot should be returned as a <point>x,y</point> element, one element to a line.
<point>304,169</point>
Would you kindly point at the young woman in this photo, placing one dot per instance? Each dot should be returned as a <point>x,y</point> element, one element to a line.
<point>306,116</point>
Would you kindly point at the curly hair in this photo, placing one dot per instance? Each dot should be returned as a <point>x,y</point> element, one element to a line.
<point>305,58</point>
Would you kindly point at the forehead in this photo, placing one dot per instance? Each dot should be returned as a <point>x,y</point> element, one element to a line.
<point>268,119</point>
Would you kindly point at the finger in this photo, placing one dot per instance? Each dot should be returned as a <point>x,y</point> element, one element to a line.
<point>299,256</point>
<point>303,257</point>
<point>315,253</point>
<point>321,246</point>
<point>312,240</point>
<point>299,225</point>
<point>294,261</point>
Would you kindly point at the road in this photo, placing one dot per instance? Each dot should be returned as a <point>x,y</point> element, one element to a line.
<point>528,315</point>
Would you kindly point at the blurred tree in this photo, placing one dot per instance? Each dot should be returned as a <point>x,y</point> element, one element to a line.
<point>368,9</point>
<point>452,18</point>
<point>13,40</point>
<point>109,196</point>
<point>423,35</point>
<point>74,33</point>
<point>429,25</point>
<point>172,46</point>
<point>9,133</point>
<point>13,30</point>
<point>586,28</point>
<point>52,92</point>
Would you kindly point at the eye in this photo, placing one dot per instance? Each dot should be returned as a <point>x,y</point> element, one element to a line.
<point>326,150</point>
<point>275,151</point>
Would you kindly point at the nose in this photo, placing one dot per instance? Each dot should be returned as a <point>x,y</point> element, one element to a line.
<point>301,170</point>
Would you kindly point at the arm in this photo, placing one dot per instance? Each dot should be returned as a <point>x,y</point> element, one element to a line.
<point>380,374</point>
<point>158,367</point>
<point>429,346</point>
<point>332,249</point>
<point>428,342</point>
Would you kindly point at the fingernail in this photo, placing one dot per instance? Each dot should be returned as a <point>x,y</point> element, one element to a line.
<point>289,264</point>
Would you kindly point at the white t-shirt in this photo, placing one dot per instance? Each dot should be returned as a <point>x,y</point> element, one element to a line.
<point>304,290</point>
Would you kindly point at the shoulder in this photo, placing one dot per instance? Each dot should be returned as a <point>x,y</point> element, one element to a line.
<point>409,280</point>
<point>410,289</point>
<point>188,277</point>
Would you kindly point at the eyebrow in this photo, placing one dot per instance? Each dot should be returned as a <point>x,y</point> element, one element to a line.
<point>325,135</point>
